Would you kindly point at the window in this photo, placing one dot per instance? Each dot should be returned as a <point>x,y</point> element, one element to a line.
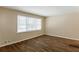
<point>26,24</point>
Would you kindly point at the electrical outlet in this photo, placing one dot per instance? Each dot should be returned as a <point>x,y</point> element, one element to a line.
<point>5,42</point>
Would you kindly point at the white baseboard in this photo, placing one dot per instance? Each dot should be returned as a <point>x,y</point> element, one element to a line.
<point>13,42</point>
<point>63,37</point>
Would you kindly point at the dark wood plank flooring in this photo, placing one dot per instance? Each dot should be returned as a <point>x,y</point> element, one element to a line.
<point>44,43</point>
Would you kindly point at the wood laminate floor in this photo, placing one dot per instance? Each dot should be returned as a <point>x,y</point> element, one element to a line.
<point>44,43</point>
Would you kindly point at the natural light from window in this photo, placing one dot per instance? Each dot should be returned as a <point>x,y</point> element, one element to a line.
<point>26,23</point>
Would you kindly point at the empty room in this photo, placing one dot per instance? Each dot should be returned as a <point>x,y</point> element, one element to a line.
<point>39,29</point>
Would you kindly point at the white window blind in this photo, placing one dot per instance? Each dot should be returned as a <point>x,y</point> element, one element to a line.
<point>26,24</point>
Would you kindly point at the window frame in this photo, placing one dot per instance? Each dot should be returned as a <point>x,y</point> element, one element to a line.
<point>26,25</point>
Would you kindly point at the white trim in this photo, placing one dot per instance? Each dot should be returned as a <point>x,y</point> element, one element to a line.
<point>13,42</point>
<point>63,37</point>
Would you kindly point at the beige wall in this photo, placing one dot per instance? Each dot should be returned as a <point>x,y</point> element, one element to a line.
<point>8,35</point>
<point>66,26</point>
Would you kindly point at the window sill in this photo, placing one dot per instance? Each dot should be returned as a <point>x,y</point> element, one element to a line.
<point>28,31</point>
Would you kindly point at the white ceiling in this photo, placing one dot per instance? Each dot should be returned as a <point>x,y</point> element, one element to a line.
<point>46,10</point>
